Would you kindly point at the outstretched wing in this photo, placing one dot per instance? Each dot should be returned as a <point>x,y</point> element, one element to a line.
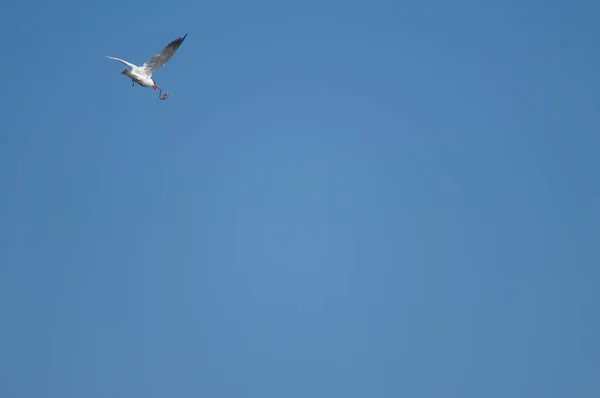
<point>132,66</point>
<point>162,57</point>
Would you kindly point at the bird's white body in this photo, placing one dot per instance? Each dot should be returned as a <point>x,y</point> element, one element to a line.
<point>142,75</point>
<point>139,78</point>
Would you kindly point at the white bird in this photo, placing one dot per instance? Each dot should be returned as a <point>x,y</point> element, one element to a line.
<point>142,75</point>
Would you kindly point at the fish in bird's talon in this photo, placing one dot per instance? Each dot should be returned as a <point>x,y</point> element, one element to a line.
<point>143,74</point>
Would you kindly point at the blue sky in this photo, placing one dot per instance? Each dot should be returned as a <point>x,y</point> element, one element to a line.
<point>357,199</point>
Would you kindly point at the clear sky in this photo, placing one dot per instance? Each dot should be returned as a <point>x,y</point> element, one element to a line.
<point>339,199</point>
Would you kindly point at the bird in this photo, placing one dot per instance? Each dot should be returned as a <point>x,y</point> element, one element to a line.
<point>142,75</point>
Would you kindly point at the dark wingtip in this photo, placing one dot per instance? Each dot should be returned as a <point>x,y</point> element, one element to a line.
<point>177,42</point>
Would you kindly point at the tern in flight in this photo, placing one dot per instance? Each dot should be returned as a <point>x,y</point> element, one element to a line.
<point>142,75</point>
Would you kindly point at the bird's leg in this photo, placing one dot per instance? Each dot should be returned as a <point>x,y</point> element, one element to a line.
<point>132,83</point>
